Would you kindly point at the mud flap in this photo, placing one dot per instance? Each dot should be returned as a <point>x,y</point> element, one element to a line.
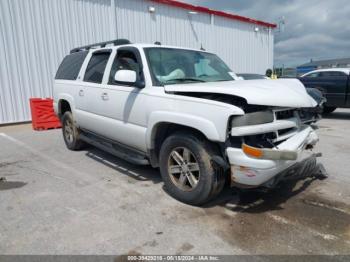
<point>220,167</point>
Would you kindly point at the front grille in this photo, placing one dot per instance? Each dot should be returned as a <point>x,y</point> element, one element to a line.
<point>262,141</point>
<point>273,138</point>
<point>284,114</point>
<point>269,140</point>
<point>285,131</point>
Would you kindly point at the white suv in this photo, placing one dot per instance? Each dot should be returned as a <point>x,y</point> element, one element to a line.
<point>181,110</point>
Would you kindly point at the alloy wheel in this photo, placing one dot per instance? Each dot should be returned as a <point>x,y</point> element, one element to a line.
<point>68,131</point>
<point>183,169</point>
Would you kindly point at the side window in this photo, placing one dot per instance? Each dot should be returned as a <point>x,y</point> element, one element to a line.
<point>313,75</point>
<point>70,66</point>
<point>124,60</point>
<point>96,67</point>
<point>332,74</point>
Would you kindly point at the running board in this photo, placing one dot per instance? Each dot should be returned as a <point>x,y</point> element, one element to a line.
<point>115,148</point>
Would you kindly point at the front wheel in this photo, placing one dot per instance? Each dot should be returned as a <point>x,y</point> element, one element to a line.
<point>187,169</point>
<point>70,132</point>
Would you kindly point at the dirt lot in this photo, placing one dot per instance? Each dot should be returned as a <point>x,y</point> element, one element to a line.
<point>55,201</point>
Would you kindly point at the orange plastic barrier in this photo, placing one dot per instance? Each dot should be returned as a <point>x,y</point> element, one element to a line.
<point>43,115</point>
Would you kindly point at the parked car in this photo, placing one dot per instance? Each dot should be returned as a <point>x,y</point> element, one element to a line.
<point>334,83</point>
<point>182,111</point>
<point>249,76</point>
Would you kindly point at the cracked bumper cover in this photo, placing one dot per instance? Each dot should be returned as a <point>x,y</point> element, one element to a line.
<point>254,172</point>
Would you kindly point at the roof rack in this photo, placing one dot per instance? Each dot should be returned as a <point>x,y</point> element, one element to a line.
<point>101,44</point>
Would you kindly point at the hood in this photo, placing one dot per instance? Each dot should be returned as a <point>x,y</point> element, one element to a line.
<point>281,92</point>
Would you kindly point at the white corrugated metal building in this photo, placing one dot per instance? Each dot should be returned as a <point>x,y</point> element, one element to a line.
<point>35,35</point>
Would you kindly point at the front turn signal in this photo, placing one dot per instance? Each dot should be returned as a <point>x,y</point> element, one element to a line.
<point>252,151</point>
<point>267,153</point>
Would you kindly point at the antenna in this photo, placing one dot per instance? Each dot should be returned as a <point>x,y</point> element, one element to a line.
<point>281,22</point>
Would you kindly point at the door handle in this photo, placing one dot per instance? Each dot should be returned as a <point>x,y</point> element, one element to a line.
<point>81,92</point>
<point>104,96</point>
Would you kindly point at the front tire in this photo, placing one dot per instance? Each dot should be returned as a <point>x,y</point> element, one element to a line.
<point>328,109</point>
<point>70,132</point>
<point>188,170</point>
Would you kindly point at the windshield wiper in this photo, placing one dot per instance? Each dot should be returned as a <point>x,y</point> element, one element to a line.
<point>183,79</point>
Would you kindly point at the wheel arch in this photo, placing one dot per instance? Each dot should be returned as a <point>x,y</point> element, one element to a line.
<point>161,125</point>
<point>65,103</point>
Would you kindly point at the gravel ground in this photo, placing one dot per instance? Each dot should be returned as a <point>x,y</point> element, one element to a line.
<point>54,201</point>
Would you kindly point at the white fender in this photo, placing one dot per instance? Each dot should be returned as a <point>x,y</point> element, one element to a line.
<point>201,124</point>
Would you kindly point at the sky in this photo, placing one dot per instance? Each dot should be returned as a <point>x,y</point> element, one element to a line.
<point>313,29</point>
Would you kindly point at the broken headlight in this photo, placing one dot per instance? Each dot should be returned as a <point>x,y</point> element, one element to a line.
<point>256,118</point>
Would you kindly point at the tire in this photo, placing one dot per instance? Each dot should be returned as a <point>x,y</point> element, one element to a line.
<point>70,132</point>
<point>328,109</point>
<point>203,181</point>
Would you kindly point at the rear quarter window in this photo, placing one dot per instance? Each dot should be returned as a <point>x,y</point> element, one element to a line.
<point>70,66</point>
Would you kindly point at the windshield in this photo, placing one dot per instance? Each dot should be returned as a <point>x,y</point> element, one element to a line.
<point>252,76</point>
<point>172,66</point>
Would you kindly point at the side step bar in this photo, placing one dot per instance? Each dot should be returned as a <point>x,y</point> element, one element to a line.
<point>115,148</point>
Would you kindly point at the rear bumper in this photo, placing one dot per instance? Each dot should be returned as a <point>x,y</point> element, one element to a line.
<point>253,172</point>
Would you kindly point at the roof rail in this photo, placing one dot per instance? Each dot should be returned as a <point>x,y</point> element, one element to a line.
<point>101,44</point>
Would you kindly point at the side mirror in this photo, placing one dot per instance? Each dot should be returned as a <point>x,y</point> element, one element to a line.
<point>125,76</point>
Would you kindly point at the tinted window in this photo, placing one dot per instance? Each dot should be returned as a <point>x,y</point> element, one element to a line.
<point>332,73</point>
<point>70,66</point>
<point>96,67</point>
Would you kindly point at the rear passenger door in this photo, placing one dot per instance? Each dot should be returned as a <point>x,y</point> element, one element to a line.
<point>90,94</point>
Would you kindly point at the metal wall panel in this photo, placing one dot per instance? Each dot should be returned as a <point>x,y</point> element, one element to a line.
<point>35,35</point>
<point>237,43</point>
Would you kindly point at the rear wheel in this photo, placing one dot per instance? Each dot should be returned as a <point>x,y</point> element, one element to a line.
<point>328,109</point>
<point>187,169</point>
<point>70,132</point>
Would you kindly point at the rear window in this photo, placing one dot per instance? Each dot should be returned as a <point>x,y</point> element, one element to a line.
<point>70,66</point>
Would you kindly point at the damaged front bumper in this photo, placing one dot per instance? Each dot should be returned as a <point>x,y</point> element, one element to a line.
<point>254,167</point>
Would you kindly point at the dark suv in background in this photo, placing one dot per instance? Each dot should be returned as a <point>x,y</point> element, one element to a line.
<point>334,83</point>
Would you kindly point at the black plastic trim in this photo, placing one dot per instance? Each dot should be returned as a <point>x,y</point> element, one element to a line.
<point>115,42</point>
